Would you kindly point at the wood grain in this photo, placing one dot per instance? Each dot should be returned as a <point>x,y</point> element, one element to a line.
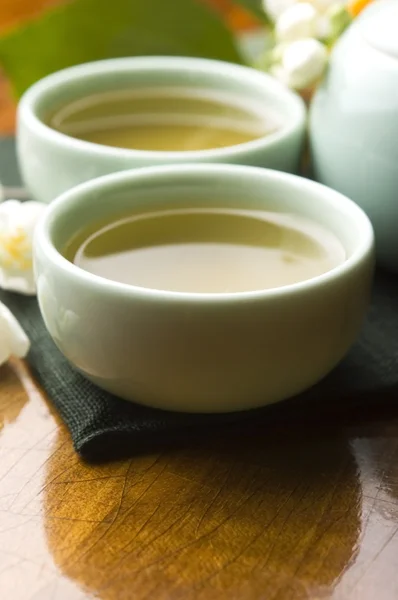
<point>301,513</point>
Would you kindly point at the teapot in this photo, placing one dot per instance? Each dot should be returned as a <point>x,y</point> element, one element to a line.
<point>354,122</point>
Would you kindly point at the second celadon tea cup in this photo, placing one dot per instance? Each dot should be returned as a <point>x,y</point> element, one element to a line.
<point>55,156</point>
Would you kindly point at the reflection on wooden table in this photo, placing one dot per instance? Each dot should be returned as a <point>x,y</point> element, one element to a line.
<point>293,512</point>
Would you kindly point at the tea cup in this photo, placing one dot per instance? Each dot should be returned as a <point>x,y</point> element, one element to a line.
<point>52,162</point>
<point>202,352</point>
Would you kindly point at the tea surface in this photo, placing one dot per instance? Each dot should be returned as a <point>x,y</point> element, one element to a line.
<point>164,119</point>
<point>207,250</point>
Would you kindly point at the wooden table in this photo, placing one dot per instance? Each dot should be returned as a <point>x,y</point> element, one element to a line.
<point>301,511</point>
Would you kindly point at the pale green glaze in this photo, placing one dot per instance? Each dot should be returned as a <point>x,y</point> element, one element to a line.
<point>52,162</point>
<point>354,123</point>
<point>203,352</point>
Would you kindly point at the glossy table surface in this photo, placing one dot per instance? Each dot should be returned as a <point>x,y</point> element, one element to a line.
<point>302,511</point>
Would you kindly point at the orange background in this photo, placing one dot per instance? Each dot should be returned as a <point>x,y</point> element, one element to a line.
<point>13,12</point>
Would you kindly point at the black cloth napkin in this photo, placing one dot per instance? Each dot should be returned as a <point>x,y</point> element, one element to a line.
<point>104,427</point>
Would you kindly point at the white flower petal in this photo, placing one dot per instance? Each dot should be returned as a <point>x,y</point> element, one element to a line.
<point>279,73</point>
<point>23,284</point>
<point>274,8</point>
<point>323,27</point>
<point>17,224</point>
<point>303,62</point>
<point>296,22</point>
<point>13,339</point>
<point>4,354</point>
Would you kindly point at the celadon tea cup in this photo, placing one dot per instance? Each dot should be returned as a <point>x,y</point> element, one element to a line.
<point>52,162</point>
<point>202,352</point>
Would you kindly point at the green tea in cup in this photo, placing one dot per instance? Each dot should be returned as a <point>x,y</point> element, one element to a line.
<point>118,114</point>
<point>206,250</point>
<point>168,118</point>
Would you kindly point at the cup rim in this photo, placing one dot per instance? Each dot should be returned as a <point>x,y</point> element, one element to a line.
<point>269,85</point>
<point>363,250</point>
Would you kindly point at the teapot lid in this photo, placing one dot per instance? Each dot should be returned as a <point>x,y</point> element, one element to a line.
<point>379,26</point>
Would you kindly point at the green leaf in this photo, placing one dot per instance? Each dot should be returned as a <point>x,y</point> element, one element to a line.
<point>87,30</point>
<point>256,8</point>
